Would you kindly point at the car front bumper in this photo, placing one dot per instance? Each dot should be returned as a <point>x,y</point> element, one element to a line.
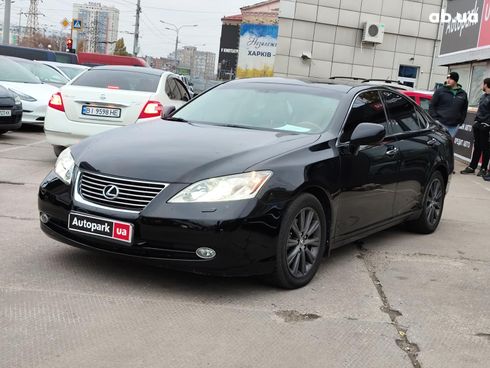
<point>13,122</point>
<point>243,234</point>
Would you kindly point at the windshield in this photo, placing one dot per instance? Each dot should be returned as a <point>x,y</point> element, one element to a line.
<point>45,73</point>
<point>71,72</point>
<point>119,79</point>
<point>264,106</point>
<point>13,72</point>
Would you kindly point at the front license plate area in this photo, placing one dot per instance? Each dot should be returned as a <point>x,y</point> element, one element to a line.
<point>4,113</point>
<point>105,112</point>
<point>101,227</point>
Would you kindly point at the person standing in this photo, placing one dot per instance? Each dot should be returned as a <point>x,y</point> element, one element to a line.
<point>449,104</point>
<point>481,133</point>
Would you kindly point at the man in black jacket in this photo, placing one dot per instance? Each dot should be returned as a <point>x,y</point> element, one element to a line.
<point>449,104</point>
<point>481,130</point>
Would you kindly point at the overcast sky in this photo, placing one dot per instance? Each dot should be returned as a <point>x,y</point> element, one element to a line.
<point>155,40</point>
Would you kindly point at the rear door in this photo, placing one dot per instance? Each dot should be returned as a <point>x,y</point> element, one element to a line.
<point>368,177</point>
<point>417,147</point>
<point>114,97</point>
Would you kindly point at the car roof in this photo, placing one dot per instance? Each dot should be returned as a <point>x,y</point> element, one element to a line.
<point>57,63</point>
<point>337,85</point>
<point>140,69</point>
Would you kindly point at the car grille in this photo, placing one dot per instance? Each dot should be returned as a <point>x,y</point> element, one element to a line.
<point>133,195</point>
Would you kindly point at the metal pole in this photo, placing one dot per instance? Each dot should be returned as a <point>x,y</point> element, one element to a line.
<point>137,29</point>
<point>176,46</point>
<point>6,22</point>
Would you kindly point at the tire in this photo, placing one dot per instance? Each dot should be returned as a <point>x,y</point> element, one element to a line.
<point>3,131</point>
<point>305,253</point>
<point>432,206</point>
<point>58,149</point>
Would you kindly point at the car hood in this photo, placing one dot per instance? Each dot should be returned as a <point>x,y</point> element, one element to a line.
<point>41,92</point>
<point>176,152</point>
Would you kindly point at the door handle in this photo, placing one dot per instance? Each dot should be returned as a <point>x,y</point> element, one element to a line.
<point>431,142</point>
<point>392,152</point>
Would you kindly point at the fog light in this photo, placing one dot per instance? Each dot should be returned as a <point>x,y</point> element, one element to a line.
<point>44,218</point>
<point>205,253</point>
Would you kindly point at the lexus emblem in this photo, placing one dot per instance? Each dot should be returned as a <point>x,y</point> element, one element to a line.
<point>110,191</point>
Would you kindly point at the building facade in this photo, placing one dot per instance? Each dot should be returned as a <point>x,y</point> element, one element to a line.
<point>228,48</point>
<point>99,27</point>
<point>200,63</point>
<point>326,38</point>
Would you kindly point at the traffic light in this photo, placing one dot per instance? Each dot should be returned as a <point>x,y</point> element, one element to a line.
<point>69,45</point>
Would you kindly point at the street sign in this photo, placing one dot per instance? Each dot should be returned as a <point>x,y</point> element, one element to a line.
<point>65,23</point>
<point>77,24</point>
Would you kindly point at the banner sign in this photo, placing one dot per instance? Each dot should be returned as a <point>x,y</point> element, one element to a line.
<point>257,50</point>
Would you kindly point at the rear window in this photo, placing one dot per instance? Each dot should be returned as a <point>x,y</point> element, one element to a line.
<point>118,79</point>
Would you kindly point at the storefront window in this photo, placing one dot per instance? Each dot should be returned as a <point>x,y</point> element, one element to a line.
<point>477,77</point>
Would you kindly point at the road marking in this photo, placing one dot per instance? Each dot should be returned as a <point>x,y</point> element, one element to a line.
<point>24,146</point>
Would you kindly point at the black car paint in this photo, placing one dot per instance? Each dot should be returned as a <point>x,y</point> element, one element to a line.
<point>7,102</point>
<point>244,233</point>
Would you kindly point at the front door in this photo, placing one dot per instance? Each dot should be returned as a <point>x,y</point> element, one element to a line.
<point>369,175</point>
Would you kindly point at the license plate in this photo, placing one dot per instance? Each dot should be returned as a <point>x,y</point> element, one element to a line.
<point>105,112</point>
<point>101,227</point>
<point>5,113</point>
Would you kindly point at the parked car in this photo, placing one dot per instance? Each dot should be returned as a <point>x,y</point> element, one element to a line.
<point>34,94</point>
<point>93,59</point>
<point>29,53</point>
<point>10,111</point>
<point>421,98</point>
<point>266,183</point>
<point>70,71</point>
<point>107,97</point>
<point>43,72</point>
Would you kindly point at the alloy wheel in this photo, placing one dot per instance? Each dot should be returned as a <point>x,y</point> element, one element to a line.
<point>433,203</point>
<point>303,243</point>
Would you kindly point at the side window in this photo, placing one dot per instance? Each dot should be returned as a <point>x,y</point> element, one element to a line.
<point>402,115</point>
<point>183,91</point>
<point>172,89</point>
<point>367,108</point>
<point>424,103</point>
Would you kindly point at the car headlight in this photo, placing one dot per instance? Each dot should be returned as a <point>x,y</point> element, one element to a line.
<point>23,96</point>
<point>64,166</point>
<point>225,188</point>
<point>17,100</point>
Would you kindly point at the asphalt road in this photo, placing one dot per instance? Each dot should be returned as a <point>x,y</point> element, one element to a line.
<point>396,300</point>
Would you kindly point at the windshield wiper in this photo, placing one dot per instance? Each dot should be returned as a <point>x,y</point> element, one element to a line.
<point>176,119</point>
<point>235,126</point>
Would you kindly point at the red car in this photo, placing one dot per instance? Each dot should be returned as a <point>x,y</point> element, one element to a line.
<point>92,59</point>
<point>422,98</point>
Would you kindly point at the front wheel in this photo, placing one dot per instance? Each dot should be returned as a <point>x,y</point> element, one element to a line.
<point>432,206</point>
<point>301,243</point>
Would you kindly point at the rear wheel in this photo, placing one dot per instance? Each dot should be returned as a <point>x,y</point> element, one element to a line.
<point>301,244</point>
<point>432,206</point>
<point>58,149</point>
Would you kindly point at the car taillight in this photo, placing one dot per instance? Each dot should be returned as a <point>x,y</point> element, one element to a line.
<point>152,109</point>
<point>56,102</point>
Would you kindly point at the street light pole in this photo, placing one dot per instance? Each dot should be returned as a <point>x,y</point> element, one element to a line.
<point>6,22</point>
<point>176,29</point>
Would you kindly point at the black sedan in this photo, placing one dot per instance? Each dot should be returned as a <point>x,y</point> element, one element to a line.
<point>10,111</point>
<point>257,176</point>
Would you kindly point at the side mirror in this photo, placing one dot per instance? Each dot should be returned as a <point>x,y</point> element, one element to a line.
<point>168,111</point>
<point>367,134</point>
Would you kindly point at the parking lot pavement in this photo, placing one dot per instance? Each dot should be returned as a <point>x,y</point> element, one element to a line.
<point>394,300</point>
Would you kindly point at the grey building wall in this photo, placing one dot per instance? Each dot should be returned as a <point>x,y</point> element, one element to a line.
<point>331,30</point>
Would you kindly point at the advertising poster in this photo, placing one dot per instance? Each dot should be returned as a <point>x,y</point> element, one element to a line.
<point>258,43</point>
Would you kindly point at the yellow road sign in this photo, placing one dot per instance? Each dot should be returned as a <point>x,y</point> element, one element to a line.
<point>65,23</point>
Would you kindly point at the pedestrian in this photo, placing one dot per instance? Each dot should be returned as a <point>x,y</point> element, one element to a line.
<point>481,132</point>
<point>449,104</point>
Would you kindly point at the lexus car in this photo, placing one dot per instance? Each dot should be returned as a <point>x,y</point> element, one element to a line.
<point>255,176</point>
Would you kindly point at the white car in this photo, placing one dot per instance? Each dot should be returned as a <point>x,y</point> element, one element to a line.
<point>70,71</point>
<point>34,94</point>
<point>108,97</point>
